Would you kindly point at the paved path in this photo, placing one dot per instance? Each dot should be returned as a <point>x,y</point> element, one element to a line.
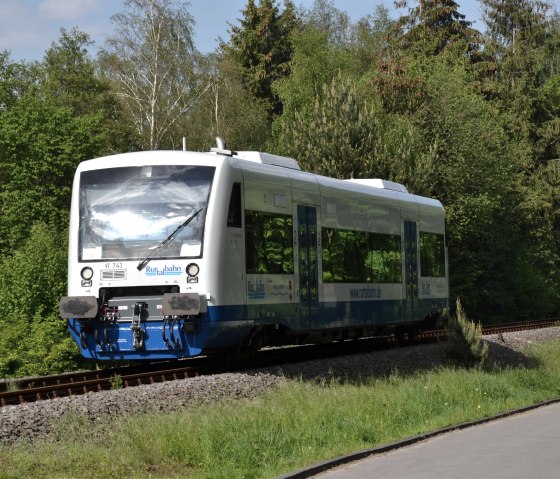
<point>523,446</point>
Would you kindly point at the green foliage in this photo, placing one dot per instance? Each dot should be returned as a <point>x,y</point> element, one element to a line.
<point>15,79</point>
<point>315,63</point>
<point>217,113</point>
<point>517,52</point>
<point>151,64</point>
<point>262,47</point>
<point>464,339</point>
<point>36,346</point>
<point>476,172</point>
<point>548,145</point>
<point>70,78</point>
<point>34,339</point>
<point>33,278</point>
<point>40,148</point>
<point>506,21</point>
<point>436,25</point>
<point>339,138</point>
<point>543,211</point>
<point>116,381</point>
<point>53,116</point>
<point>326,46</point>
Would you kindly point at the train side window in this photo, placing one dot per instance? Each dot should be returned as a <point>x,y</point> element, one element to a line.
<point>432,255</point>
<point>360,257</point>
<point>234,210</point>
<point>384,259</point>
<point>269,242</point>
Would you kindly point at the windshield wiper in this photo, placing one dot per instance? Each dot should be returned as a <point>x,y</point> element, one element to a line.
<point>170,237</point>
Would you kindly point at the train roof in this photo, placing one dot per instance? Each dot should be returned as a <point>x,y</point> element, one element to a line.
<point>273,165</point>
<point>368,186</point>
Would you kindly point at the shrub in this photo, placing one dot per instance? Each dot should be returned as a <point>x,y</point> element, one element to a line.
<point>464,340</point>
<point>33,338</point>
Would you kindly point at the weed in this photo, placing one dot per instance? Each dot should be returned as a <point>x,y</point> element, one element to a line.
<point>116,381</point>
<point>464,340</point>
<point>13,384</point>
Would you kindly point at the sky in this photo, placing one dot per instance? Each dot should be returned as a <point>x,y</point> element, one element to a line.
<point>29,27</point>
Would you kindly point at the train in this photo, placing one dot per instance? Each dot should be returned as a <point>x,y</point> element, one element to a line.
<point>175,254</point>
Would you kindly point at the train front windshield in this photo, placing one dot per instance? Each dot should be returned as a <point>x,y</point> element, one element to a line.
<point>126,212</point>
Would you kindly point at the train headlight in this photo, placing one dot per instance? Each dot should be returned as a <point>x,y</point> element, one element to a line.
<point>192,269</point>
<point>86,273</point>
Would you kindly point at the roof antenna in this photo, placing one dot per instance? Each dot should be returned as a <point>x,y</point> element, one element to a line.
<point>220,148</point>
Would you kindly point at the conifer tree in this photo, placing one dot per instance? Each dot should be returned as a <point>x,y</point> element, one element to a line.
<point>261,45</point>
<point>516,51</point>
<point>436,25</point>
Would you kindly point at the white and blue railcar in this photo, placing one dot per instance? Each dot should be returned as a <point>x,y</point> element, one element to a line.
<point>175,254</point>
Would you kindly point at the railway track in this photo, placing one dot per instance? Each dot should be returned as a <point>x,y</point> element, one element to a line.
<point>69,384</point>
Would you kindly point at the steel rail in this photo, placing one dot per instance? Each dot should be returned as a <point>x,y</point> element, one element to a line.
<point>53,391</point>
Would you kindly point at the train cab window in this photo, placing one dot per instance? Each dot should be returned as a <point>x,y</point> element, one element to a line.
<point>126,211</point>
<point>234,210</point>
<point>269,244</point>
<point>432,255</point>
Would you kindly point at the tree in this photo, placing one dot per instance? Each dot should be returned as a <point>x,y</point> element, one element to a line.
<point>511,22</point>
<point>40,147</point>
<point>522,44</point>
<point>69,78</point>
<point>15,80</point>
<point>436,25</point>
<point>151,62</point>
<point>548,128</point>
<point>516,50</point>
<point>34,339</point>
<point>477,176</point>
<point>54,115</point>
<point>542,208</point>
<point>346,136</point>
<point>373,34</point>
<point>69,75</point>
<point>319,54</point>
<point>218,111</point>
<point>261,45</point>
<point>325,17</point>
<point>338,139</point>
<point>314,64</point>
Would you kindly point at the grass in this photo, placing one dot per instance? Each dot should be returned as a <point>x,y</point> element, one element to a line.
<point>299,424</point>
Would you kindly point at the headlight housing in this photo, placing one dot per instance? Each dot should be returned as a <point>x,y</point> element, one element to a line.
<point>86,273</point>
<point>192,269</point>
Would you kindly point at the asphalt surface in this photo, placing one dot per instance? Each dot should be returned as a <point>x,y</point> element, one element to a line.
<point>522,444</point>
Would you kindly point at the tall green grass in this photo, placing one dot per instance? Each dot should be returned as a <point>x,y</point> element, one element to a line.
<point>299,424</point>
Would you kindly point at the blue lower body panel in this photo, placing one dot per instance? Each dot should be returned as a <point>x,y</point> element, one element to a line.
<point>224,327</point>
<point>116,341</point>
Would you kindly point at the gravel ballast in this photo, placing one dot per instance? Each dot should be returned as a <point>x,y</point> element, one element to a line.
<point>39,419</point>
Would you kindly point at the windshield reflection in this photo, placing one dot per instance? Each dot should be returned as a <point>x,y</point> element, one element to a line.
<point>126,211</point>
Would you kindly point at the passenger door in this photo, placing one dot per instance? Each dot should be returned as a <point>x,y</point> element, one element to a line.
<point>307,263</point>
<point>411,270</point>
